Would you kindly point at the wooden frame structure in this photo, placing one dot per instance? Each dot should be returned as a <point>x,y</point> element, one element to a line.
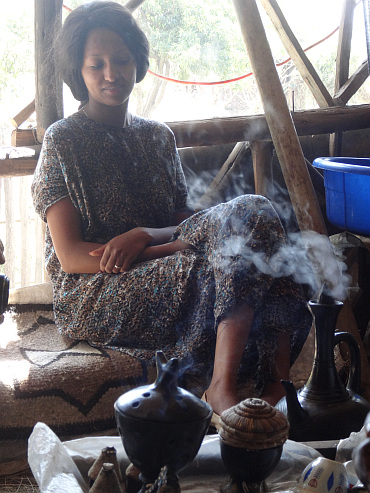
<point>277,124</point>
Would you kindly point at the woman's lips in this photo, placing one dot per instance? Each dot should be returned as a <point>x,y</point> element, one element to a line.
<point>113,89</point>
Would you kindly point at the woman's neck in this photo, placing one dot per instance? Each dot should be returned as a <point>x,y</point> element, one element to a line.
<point>115,116</point>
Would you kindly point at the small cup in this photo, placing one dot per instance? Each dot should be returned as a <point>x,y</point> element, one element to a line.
<point>323,476</point>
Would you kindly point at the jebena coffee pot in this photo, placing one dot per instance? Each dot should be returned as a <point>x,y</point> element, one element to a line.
<point>325,408</point>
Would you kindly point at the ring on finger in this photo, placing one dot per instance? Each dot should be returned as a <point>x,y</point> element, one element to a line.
<point>118,267</point>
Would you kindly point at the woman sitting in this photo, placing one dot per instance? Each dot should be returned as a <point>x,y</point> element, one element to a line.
<point>132,266</point>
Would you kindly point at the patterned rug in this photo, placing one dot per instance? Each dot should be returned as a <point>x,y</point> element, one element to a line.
<point>66,384</point>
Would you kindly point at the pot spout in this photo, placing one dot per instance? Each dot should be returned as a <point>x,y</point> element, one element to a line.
<point>294,411</point>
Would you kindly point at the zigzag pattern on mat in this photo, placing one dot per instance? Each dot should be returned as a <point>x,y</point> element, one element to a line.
<point>69,385</point>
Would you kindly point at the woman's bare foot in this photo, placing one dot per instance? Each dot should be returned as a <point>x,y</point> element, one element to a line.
<point>219,401</point>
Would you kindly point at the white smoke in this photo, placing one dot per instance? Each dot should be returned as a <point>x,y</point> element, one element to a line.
<point>308,257</point>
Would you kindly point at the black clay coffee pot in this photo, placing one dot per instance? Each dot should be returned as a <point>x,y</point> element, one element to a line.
<point>325,408</point>
<point>161,425</point>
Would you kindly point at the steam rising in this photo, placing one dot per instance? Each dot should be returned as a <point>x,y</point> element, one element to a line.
<point>308,257</point>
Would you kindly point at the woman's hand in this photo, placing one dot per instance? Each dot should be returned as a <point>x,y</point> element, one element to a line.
<point>121,252</point>
<point>77,256</point>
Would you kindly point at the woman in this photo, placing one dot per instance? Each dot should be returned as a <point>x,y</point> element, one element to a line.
<point>132,266</point>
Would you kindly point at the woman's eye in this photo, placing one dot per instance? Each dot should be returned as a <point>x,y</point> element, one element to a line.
<point>96,67</point>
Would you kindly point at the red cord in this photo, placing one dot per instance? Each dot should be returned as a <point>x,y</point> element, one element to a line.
<point>199,83</point>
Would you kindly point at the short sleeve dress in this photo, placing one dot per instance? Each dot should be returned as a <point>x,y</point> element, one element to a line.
<point>121,178</point>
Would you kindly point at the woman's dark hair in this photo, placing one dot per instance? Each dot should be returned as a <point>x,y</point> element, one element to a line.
<point>70,45</point>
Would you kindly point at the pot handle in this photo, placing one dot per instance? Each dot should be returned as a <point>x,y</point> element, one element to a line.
<point>4,293</point>
<point>354,377</point>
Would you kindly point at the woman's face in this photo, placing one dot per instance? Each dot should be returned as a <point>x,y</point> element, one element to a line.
<point>108,69</point>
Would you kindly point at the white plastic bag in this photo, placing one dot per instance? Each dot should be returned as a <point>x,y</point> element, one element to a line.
<point>51,465</point>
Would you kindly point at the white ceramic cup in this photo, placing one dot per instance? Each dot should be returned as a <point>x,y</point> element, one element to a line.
<point>323,476</point>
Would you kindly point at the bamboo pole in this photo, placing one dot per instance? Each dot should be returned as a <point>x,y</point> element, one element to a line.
<point>287,145</point>
<point>133,4</point>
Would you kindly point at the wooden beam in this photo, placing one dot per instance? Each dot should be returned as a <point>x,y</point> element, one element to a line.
<point>21,166</point>
<point>345,93</point>
<point>217,131</point>
<point>278,118</point>
<point>22,116</point>
<point>288,150</point>
<point>352,85</point>
<point>300,59</point>
<point>49,88</point>
<point>366,6</point>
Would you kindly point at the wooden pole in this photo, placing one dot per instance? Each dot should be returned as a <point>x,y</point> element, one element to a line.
<point>262,168</point>
<point>342,65</point>
<point>288,148</point>
<point>49,88</point>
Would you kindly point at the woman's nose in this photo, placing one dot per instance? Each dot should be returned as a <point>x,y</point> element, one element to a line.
<point>110,72</point>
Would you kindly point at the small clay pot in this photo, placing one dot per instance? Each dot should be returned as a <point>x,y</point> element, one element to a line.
<point>252,435</point>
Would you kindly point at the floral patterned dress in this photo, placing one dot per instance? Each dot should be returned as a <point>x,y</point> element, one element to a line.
<point>120,178</point>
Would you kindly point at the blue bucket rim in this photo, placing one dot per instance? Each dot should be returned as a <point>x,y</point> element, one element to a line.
<point>356,165</point>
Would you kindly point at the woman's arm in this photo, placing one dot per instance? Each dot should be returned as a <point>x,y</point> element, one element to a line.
<point>65,230</point>
<point>78,256</point>
<point>139,244</point>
